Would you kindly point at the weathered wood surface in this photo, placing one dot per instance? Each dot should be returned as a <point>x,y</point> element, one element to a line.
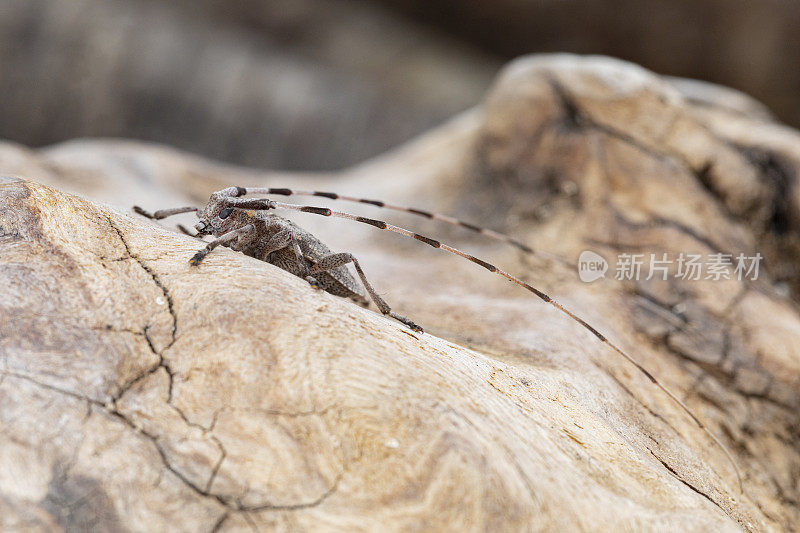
<point>139,393</point>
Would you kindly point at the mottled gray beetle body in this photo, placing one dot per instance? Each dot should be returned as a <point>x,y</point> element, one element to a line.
<point>261,243</point>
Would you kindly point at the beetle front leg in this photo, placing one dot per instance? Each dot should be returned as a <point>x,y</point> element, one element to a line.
<point>164,213</point>
<point>244,234</point>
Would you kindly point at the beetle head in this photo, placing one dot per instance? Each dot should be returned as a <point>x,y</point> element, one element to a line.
<point>216,218</point>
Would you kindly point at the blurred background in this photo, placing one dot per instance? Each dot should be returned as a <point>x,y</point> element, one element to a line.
<point>323,84</point>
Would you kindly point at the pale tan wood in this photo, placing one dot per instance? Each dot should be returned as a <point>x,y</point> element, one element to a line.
<point>139,393</point>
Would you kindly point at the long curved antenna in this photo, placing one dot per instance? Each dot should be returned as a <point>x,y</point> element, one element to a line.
<point>496,235</point>
<point>266,204</point>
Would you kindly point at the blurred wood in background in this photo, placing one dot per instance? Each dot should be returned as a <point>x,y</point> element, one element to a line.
<point>322,84</point>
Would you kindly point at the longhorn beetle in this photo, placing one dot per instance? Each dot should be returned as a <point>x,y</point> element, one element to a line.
<point>248,226</point>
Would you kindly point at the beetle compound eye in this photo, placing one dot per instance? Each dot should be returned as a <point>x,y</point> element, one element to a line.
<point>225,213</point>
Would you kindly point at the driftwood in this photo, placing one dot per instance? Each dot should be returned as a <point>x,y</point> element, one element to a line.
<point>139,393</point>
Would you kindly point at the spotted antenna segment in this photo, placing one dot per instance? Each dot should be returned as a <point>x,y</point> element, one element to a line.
<point>411,210</point>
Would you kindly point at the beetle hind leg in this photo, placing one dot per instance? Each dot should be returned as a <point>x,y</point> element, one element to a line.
<point>336,260</point>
